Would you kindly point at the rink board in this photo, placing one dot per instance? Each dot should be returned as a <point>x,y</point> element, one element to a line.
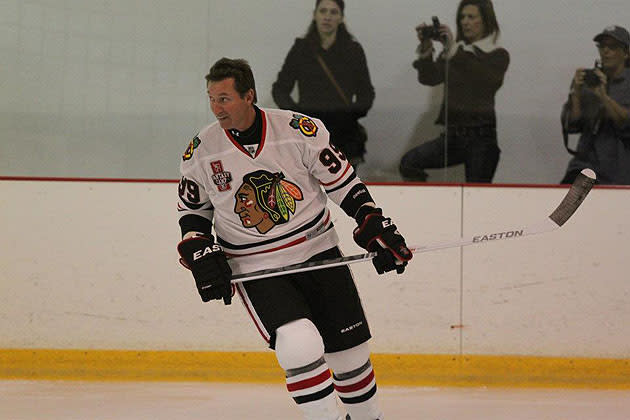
<point>92,265</point>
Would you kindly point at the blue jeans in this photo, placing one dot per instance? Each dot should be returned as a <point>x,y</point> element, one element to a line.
<point>475,147</point>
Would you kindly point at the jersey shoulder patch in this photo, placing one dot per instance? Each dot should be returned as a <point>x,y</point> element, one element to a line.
<point>190,150</point>
<point>304,124</point>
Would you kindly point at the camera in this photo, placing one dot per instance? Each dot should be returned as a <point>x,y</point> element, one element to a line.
<point>433,31</point>
<point>590,77</point>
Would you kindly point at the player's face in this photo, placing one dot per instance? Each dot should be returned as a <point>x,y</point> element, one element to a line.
<point>327,17</point>
<point>471,23</point>
<point>232,111</point>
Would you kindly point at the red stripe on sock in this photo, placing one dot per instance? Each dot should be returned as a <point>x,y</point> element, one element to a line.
<point>356,386</point>
<point>310,382</point>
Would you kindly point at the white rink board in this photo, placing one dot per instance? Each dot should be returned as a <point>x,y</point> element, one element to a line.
<point>413,312</point>
<point>562,293</point>
<point>93,265</point>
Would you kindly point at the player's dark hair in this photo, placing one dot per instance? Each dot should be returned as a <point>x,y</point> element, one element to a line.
<point>342,32</point>
<point>237,69</point>
<point>486,9</point>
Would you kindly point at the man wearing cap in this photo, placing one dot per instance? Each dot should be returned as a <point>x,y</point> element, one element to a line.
<point>599,109</point>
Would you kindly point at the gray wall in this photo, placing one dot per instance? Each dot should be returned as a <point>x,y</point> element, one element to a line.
<point>114,88</point>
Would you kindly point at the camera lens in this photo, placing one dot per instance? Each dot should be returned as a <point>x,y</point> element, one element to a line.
<point>590,78</point>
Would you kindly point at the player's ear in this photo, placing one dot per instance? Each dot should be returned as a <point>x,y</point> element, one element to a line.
<point>250,95</point>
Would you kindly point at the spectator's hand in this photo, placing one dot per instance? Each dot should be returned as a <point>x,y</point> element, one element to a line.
<point>425,44</point>
<point>447,36</point>
<point>578,78</point>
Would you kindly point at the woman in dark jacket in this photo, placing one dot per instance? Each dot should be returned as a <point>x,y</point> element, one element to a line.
<point>476,67</point>
<point>339,103</point>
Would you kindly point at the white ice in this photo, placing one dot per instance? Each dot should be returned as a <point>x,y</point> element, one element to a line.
<point>39,400</point>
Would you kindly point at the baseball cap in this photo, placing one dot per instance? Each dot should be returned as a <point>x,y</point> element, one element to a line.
<point>617,32</point>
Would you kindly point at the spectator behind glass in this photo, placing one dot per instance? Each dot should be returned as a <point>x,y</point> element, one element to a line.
<point>599,109</point>
<point>472,69</point>
<point>328,41</point>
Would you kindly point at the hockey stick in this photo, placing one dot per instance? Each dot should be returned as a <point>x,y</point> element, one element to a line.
<point>570,203</point>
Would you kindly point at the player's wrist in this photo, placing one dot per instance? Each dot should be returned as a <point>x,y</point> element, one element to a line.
<point>366,210</point>
<point>357,197</point>
<point>194,234</point>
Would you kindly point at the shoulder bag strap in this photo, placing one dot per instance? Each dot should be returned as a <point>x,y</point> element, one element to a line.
<point>332,79</point>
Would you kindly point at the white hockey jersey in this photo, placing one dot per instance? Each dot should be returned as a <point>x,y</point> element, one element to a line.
<point>268,207</point>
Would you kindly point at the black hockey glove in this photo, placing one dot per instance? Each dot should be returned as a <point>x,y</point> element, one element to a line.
<point>376,233</point>
<point>209,267</point>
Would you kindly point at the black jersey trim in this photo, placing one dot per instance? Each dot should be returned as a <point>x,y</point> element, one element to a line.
<point>262,138</point>
<point>191,206</point>
<point>356,197</point>
<point>307,226</point>
<point>343,184</point>
<point>195,223</point>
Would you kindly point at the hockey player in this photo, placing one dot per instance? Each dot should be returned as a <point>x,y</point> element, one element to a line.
<point>253,196</point>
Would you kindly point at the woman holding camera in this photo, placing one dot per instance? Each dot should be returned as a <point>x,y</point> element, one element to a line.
<point>330,69</point>
<point>472,67</point>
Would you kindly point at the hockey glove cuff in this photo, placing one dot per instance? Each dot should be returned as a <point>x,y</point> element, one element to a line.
<point>209,267</point>
<point>376,233</point>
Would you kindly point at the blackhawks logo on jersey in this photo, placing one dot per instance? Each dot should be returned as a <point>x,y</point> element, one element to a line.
<point>304,124</point>
<point>266,199</point>
<point>188,153</point>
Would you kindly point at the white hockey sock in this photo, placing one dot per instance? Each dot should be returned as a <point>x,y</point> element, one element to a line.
<point>357,391</point>
<point>312,389</point>
<point>300,352</point>
<point>355,383</point>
